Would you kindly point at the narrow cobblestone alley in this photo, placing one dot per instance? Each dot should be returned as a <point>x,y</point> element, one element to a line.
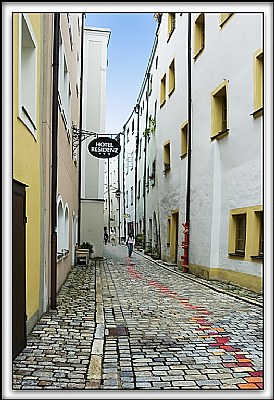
<point>129,323</point>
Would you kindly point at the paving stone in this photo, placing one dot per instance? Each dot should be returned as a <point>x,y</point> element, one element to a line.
<point>180,332</point>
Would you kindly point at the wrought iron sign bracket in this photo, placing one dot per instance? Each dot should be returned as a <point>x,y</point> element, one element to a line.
<point>78,136</point>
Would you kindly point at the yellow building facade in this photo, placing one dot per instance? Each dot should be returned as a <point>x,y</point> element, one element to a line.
<point>27,145</point>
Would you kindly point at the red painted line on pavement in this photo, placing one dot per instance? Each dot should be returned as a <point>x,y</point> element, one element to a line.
<point>205,326</point>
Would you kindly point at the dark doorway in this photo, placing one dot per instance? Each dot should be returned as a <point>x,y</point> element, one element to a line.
<point>18,268</point>
<point>174,236</point>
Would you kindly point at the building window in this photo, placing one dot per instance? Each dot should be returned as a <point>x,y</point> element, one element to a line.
<point>127,199</point>
<point>171,24</point>
<point>184,139</point>
<point>163,91</point>
<point>199,35</point>
<point>153,173</point>
<point>140,148</point>
<point>27,75</point>
<point>150,85</point>
<point>168,231</point>
<point>155,112</point>
<point>62,229</point>
<point>240,233</point>
<point>64,88</point>
<point>156,62</point>
<point>166,157</point>
<point>131,196</point>
<point>127,134</point>
<point>246,233</point>
<point>132,127</point>
<point>224,17</point>
<point>219,111</point>
<point>66,238</point>
<point>258,84</point>
<point>131,161</point>
<point>258,247</point>
<point>261,230</point>
<point>171,77</point>
<point>70,32</point>
<point>139,189</point>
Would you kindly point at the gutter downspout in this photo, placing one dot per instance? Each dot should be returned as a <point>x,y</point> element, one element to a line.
<point>186,225</point>
<point>119,195</point>
<point>137,110</point>
<point>54,160</point>
<point>123,174</point>
<point>145,164</point>
<point>80,132</point>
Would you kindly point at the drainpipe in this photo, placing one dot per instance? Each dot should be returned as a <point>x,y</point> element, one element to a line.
<point>119,196</point>
<point>145,164</point>
<point>136,109</point>
<point>123,174</point>
<point>55,66</point>
<point>186,225</point>
<point>80,132</point>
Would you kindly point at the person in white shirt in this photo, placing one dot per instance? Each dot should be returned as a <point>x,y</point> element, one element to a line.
<point>130,244</point>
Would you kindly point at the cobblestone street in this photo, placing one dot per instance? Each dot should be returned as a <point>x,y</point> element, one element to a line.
<point>132,323</point>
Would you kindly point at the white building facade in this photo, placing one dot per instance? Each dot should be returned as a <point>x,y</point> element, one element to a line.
<point>199,160</point>
<point>94,120</point>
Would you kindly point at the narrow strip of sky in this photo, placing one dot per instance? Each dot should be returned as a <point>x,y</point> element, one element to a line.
<point>131,41</point>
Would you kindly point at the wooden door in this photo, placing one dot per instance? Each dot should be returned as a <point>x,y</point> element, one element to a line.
<point>18,268</point>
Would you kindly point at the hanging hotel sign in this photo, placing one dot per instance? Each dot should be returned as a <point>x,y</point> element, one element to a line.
<point>104,147</point>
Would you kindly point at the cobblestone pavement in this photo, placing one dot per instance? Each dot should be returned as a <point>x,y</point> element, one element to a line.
<point>130,323</point>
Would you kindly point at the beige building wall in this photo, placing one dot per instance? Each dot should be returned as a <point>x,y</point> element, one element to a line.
<point>69,107</point>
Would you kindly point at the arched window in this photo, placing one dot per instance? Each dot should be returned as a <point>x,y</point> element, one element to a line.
<point>60,225</point>
<point>66,230</point>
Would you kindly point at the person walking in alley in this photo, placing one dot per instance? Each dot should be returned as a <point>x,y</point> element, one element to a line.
<point>113,238</point>
<point>105,237</point>
<point>130,244</point>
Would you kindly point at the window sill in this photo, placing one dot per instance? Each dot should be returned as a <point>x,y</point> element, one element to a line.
<point>170,34</point>
<point>182,156</point>
<point>257,113</point>
<point>63,254</point>
<point>240,255</point>
<point>225,20</point>
<point>198,53</point>
<point>163,103</point>
<point>219,135</point>
<point>258,257</point>
<point>171,92</point>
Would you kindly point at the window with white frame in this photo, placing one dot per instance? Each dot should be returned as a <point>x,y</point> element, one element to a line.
<point>27,74</point>
<point>66,233</point>
<point>62,228</point>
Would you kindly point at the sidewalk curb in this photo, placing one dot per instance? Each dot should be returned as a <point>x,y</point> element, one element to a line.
<point>186,275</point>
